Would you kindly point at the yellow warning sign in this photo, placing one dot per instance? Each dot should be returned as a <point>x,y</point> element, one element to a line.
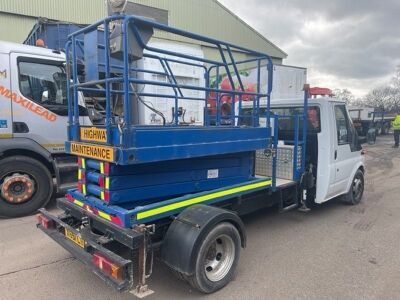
<point>93,134</point>
<point>93,151</point>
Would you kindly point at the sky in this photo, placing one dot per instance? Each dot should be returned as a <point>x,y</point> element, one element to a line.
<point>352,44</point>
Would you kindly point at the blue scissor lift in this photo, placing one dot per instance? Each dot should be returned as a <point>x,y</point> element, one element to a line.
<point>172,179</point>
<point>153,172</point>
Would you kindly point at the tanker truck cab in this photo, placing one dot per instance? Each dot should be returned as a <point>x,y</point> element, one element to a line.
<point>33,121</point>
<point>334,156</point>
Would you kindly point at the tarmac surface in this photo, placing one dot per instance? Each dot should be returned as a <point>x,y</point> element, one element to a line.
<point>333,252</point>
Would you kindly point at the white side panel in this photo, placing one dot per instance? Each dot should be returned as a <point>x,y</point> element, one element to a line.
<point>184,74</point>
<point>5,98</point>
<point>288,82</point>
<point>362,113</point>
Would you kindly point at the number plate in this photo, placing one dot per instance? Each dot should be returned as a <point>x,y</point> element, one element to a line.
<point>75,238</point>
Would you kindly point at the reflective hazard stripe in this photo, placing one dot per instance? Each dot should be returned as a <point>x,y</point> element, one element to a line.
<point>101,168</point>
<point>112,218</point>
<point>102,195</point>
<point>79,174</point>
<point>79,203</point>
<point>192,201</point>
<point>84,189</point>
<point>83,163</point>
<point>107,183</point>
<point>104,215</point>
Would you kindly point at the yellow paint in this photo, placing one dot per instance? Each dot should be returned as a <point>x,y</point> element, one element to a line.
<point>104,215</point>
<point>5,135</point>
<point>93,134</point>
<point>52,145</point>
<point>83,163</point>
<point>93,151</point>
<point>79,203</point>
<point>75,238</point>
<point>188,202</point>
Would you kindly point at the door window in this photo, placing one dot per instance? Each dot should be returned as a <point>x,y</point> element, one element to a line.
<point>342,125</point>
<point>42,83</point>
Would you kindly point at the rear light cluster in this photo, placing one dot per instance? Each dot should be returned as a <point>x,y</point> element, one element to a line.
<point>45,222</point>
<point>108,267</point>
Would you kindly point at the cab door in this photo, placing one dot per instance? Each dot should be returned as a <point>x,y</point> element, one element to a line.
<point>40,104</point>
<point>5,98</point>
<point>346,152</point>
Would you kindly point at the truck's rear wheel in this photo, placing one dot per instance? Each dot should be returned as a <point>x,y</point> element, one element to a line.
<point>217,259</point>
<point>354,195</point>
<point>25,186</point>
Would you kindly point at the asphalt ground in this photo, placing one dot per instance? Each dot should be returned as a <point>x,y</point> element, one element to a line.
<point>333,252</point>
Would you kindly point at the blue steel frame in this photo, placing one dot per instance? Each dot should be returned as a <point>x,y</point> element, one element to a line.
<point>297,170</point>
<point>74,48</point>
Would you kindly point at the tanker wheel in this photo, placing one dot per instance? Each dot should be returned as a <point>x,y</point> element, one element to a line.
<point>25,186</point>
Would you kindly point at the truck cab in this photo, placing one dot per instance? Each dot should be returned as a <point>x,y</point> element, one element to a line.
<point>33,118</point>
<point>334,156</point>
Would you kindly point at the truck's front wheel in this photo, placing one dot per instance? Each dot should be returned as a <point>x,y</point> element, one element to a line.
<point>25,186</point>
<point>217,258</point>
<point>354,195</point>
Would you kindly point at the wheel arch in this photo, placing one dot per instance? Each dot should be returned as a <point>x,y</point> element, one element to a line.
<point>28,148</point>
<point>358,166</point>
<point>188,230</point>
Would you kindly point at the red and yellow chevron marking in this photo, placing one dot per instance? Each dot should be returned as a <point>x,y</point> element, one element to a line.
<point>107,183</point>
<point>82,187</point>
<point>95,211</point>
<point>82,162</point>
<point>105,196</point>
<point>104,168</point>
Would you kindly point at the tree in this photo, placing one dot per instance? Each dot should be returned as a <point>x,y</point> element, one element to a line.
<point>344,94</point>
<point>395,101</point>
<point>380,98</point>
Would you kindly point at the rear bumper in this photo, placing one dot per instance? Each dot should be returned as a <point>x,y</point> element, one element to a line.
<point>85,255</point>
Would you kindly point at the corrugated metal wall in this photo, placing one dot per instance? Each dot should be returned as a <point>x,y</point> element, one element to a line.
<point>15,29</point>
<point>78,11</point>
<point>206,17</point>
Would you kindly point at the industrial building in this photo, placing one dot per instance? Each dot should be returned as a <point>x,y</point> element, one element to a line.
<point>206,17</point>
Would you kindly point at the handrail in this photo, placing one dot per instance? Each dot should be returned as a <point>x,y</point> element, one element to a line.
<point>118,78</point>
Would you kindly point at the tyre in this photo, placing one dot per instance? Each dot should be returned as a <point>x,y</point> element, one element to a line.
<point>216,259</point>
<point>25,186</point>
<point>354,195</point>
